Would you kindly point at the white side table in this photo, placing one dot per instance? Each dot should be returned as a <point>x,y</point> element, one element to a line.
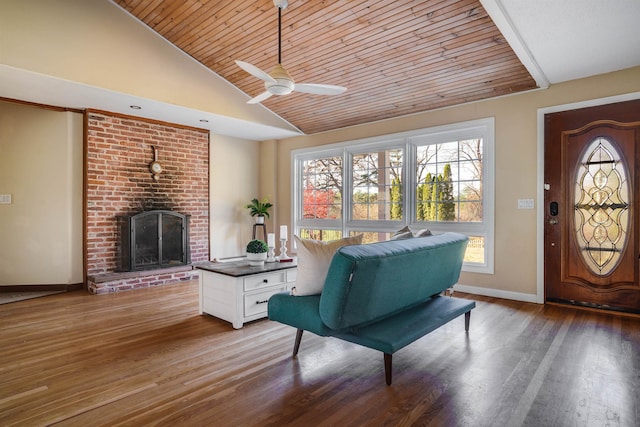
<point>238,293</point>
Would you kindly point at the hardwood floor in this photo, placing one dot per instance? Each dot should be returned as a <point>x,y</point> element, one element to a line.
<point>146,357</point>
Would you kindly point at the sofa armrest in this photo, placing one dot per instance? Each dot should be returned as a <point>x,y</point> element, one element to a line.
<point>301,312</point>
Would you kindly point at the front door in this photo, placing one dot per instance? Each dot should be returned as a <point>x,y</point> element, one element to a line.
<point>591,253</point>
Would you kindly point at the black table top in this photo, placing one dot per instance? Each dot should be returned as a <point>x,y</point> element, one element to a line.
<point>242,268</point>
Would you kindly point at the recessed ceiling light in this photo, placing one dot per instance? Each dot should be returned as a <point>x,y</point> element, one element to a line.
<point>135,107</point>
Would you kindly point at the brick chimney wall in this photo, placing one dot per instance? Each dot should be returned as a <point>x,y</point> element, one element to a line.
<point>119,150</point>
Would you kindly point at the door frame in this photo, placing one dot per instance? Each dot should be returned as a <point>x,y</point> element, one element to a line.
<point>540,175</point>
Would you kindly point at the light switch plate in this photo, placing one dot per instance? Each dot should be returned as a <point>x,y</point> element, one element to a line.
<point>525,204</point>
<point>5,199</point>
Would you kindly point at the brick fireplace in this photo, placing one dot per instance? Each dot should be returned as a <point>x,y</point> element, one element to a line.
<point>119,150</point>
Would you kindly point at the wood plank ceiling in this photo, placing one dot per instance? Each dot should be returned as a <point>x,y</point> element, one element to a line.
<point>395,57</point>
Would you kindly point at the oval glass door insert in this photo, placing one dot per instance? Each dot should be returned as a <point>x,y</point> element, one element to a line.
<point>601,209</point>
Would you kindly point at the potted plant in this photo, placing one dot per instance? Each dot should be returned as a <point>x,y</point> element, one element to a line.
<point>257,252</point>
<point>259,209</point>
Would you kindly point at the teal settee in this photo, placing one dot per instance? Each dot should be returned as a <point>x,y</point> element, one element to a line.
<point>382,295</point>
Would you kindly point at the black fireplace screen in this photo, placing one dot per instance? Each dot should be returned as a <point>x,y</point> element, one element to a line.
<point>154,239</point>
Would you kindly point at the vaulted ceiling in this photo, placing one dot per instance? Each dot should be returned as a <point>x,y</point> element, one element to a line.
<point>395,57</point>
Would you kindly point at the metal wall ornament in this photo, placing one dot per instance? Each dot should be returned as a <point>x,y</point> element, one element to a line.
<point>155,166</point>
<point>601,210</point>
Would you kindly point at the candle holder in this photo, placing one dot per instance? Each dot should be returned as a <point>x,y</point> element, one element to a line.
<point>271,255</point>
<point>283,249</point>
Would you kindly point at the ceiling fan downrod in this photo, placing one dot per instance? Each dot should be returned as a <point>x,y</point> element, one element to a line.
<point>280,4</point>
<point>279,36</point>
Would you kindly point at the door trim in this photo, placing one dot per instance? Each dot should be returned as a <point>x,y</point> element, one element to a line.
<point>540,175</point>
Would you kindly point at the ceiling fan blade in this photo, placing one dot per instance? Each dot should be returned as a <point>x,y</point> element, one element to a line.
<point>259,98</point>
<point>319,89</point>
<point>255,71</point>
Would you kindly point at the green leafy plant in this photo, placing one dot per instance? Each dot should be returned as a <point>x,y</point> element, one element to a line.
<point>259,207</point>
<point>257,247</point>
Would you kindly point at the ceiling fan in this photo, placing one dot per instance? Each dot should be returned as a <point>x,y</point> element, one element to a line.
<point>279,82</point>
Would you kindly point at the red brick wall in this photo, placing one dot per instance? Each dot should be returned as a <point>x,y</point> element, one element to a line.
<point>118,153</point>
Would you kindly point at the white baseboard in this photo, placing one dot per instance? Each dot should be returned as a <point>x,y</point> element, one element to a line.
<point>496,293</point>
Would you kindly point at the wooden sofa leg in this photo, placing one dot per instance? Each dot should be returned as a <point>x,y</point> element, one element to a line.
<point>467,317</point>
<point>296,346</point>
<point>387,367</point>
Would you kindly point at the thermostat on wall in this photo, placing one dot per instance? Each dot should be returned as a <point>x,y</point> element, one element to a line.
<point>5,199</point>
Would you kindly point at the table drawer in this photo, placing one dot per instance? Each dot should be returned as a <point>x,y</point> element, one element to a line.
<point>257,303</point>
<point>292,275</point>
<point>264,280</point>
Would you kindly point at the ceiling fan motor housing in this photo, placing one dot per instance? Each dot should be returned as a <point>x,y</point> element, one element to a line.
<point>283,84</point>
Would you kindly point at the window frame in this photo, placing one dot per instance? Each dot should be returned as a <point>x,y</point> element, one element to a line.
<point>408,142</point>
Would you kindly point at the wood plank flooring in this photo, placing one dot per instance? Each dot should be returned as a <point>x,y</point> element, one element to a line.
<point>146,357</point>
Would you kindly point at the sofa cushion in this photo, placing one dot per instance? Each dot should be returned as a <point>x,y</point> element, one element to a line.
<point>423,233</point>
<point>406,233</point>
<point>403,233</point>
<point>401,329</point>
<point>314,257</point>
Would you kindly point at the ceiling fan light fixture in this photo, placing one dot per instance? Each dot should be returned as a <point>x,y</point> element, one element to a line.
<point>282,87</point>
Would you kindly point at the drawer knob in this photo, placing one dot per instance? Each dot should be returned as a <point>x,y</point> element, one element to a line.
<point>262,302</point>
<point>265,280</point>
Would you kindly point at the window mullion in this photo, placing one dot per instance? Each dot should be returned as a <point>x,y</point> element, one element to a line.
<point>347,191</point>
<point>409,188</point>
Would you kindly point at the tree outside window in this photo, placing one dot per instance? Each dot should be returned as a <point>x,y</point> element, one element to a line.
<point>449,182</point>
<point>322,188</point>
<point>377,185</point>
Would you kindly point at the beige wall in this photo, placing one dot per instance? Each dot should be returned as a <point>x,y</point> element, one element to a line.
<point>234,181</point>
<point>516,168</point>
<point>96,43</point>
<point>41,168</point>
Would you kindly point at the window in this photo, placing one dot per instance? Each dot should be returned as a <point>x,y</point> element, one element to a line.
<point>439,178</point>
<point>449,181</point>
<point>376,185</point>
<point>319,187</point>
<point>601,209</point>
<point>322,188</point>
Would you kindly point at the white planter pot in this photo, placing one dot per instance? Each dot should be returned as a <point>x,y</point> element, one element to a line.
<point>259,219</point>
<point>256,260</point>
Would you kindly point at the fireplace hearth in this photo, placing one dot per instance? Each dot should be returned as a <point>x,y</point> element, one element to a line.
<point>153,240</point>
